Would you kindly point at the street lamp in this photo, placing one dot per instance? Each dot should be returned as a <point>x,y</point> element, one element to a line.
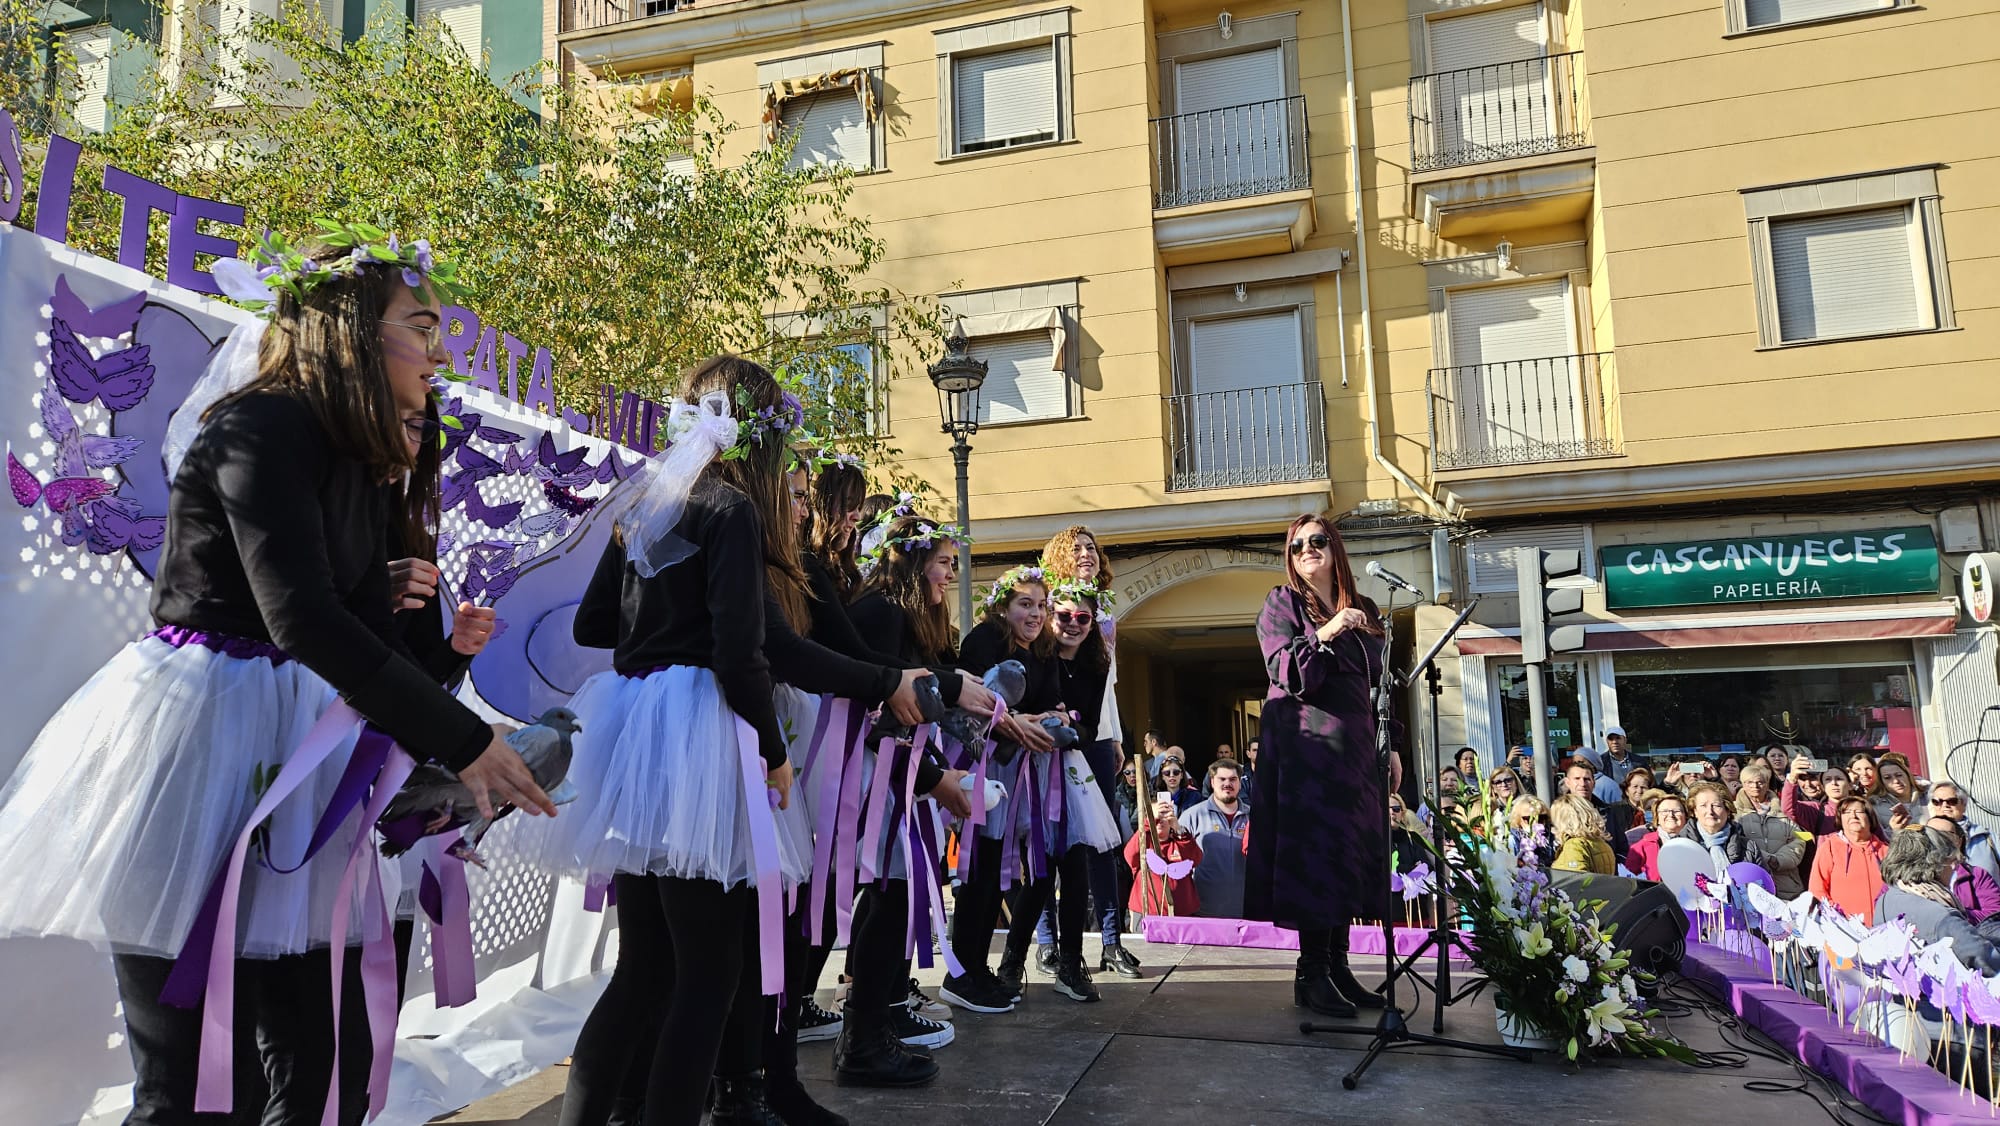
<point>957,378</point>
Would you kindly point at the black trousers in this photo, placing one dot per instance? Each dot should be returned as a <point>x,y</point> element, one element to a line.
<point>875,961</point>
<point>1072,908</point>
<point>685,983</point>
<point>284,1042</point>
<point>977,907</point>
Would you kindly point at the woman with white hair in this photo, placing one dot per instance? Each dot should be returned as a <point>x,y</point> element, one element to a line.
<point>1916,878</point>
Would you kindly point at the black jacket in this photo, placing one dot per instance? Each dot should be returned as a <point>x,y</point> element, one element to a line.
<point>273,535</point>
<point>987,645</point>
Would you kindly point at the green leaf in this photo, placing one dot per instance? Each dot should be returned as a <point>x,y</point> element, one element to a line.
<point>452,421</point>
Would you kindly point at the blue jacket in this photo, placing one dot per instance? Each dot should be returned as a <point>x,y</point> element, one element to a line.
<point>1218,879</point>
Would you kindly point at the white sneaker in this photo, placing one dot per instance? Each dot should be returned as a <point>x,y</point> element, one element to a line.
<point>926,1006</point>
<point>816,1023</point>
<point>841,990</point>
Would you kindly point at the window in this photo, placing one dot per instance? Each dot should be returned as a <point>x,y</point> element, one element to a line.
<point>1022,382</point>
<point>464,21</point>
<point>1490,92</point>
<point>1490,558</point>
<point>1757,15</point>
<point>832,129</point>
<point>1848,258</point>
<point>837,369</point>
<point>1004,85</point>
<point>92,47</point>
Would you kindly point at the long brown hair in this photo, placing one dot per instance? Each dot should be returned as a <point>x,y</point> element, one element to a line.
<point>1345,594</point>
<point>1091,651</point>
<point>1059,556</point>
<point>326,351</point>
<point>415,506</point>
<point>1044,644</point>
<point>899,577</point>
<point>759,475</point>
<point>836,491</point>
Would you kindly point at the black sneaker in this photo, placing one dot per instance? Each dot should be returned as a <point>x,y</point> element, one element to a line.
<point>1120,961</point>
<point>874,1058</point>
<point>919,1032</point>
<point>1012,972</point>
<point>816,1023</point>
<point>1045,959</point>
<point>1073,981</point>
<point>976,992</point>
<point>921,1004</point>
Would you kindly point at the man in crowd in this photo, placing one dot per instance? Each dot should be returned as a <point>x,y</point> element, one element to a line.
<point>1618,761</point>
<point>1219,825</point>
<point>1948,801</point>
<point>1450,781</point>
<point>1223,753</point>
<point>1581,779</point>
<point>1156,746</point>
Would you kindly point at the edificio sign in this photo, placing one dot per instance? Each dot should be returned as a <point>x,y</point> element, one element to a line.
<point>1878,561</point>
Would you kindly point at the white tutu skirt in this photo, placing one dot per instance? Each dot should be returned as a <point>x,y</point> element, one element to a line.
<point>797,713</point>
<point>659,782</point>
<point>128,803</point>
<point>1088,819</point>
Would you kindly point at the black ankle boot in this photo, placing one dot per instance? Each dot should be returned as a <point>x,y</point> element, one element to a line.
<point>1313,989</point>
<point>790,1102</point>
<point>1350,989</point>
<point>740,1102</point>
<point>871,1056</point>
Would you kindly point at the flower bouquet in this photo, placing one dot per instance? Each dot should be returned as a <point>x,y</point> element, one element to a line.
<point>1564,983</point>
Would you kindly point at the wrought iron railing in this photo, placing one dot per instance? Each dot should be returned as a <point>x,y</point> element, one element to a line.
<point>583,15</point>
<point>1255,436</point>
<point>1498,112</point>
<point>1521,411</point>
<point>1230,153</point>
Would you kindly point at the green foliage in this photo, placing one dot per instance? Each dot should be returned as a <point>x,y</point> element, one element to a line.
<point>32,89</point>
<point>579,228</point>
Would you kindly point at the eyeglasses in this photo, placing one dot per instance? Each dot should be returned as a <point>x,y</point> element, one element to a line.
<point>433,333</point>
<point>1317,541</point>
<point>1075,617</point>
<point>420,428</point>
<point>1953,802</point>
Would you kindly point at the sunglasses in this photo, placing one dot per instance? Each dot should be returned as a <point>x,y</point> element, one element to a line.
<point>1075,617</point>
<point>1954,802</point>
<point>1317,541</point>
<point>1507,782</point>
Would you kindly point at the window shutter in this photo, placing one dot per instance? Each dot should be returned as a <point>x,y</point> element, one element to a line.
<point>92,47</point>
<point>1264,350</point>
<point>463,20</point>
<point>679,167</point>
<point>1230,80</point>
<point>1762,13</point>
<point>831,130</point>
<point>1506,35</point>
<point>1845,275</point>
<point>1007,97</point>
<point>1507,323</point>
<point>1022,384</point>
<point>1490,558</point>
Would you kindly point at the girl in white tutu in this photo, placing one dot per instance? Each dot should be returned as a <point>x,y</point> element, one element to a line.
<point>271,595</point>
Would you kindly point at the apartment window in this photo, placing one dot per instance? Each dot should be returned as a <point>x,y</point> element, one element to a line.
<point>1023,383</point>
<point>1848,258</point>
<point>463,21</point>
<point>1759,15</point>
<point>832,128</point>
<point>1248,409</point>
<point>827,372</point>
<point>1005,84</point>
<point>93,47</point>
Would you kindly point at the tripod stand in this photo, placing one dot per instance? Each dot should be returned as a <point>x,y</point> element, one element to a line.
<point>1392,1030</point>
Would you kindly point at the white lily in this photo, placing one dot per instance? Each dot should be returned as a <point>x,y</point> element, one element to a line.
<point>1606,1020</point>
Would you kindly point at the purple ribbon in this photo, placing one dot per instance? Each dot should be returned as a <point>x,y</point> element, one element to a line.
<point>847,820</point>
<point>447,900</point>
<point>229,645</point>
<point>829,782</point>
<point>876,811</point>
<point>764,848</point>
<point>821,723</point>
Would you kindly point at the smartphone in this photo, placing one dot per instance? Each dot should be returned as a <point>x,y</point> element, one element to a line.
<point>1819,766</point>
<point>1163,796</point>
<point>1696,766</point>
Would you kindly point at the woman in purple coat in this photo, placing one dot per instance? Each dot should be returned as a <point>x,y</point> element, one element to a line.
<point>1319,840</point>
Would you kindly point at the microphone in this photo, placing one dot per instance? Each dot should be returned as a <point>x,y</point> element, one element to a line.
<point>1376,569</point>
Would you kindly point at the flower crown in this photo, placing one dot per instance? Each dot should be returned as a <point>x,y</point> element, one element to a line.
<point>752,423</point>
<point>814,460</point>
<point>926,536</point>
<point>1003,587</point>
<point>282,268</point>
<point>1077,590</point>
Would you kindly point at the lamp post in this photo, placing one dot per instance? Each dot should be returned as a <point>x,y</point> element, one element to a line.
<point>958,378</point>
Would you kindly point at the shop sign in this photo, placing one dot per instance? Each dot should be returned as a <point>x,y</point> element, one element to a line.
<point>1878,561</point>
<point>1975,583</point>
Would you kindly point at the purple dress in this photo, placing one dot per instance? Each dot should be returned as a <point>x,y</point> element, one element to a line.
<point>1319,833</point>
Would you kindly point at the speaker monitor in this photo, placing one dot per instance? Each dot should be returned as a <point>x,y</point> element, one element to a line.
<point>1652,927</point>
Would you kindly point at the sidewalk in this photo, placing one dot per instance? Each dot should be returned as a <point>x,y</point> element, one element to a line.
<point>1210,1034</point>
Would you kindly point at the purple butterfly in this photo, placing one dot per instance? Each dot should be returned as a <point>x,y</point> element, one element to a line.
<point>77,452</point>
<point>1173,870</point>
<point>566,469</point>
<point>117,523</point>
<point>115,319</point>
<point>567,501</point>
<point>495,516</point>
<point>516,462</point>
<point>446,541</point>
<point>475,465</point>
<point>1904,978</point>
<point>491,586</point>
<point>120,378</point>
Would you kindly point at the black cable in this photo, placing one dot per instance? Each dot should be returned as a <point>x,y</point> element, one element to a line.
<point>1747,1041</point>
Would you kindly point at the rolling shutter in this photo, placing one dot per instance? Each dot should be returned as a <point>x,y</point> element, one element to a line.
<point>1763,13</point>
<point>1022,384</point>
<point>1263,350</point>
<point>1504,35</point>
<point>463,20</point>
<point>1229,80</point>
<point>1490,93</point>
<point>831,130</point>
<point>1490,558</point>
<point>1004,98</point>
<point>92,47</point>
<point>1845,275</point>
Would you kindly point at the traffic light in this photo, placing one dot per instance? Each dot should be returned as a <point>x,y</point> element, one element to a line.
<point>1540,601</point>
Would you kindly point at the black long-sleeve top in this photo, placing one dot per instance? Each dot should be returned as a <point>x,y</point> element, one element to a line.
<point>706,611</point>
<point>885,627</point>
<point>273,534</point>
<point>1082,693</point>
<point>833,625</point>
<point>988,645</point>
<point>422,627</point>
<point>810,666</point>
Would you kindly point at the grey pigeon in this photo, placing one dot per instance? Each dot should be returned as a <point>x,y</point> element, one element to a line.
<point>1007,680</point>
<point>436,793</point>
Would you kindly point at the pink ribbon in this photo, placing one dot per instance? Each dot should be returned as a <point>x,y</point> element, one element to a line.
<point>764,849</point>
<point>876,812</point>
<point>846,822</point>
<point>826,775</point>
<point>454,981</point>
<point>215,1075</point>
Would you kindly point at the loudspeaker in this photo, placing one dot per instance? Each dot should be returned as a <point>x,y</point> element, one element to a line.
<point>1652,927</point>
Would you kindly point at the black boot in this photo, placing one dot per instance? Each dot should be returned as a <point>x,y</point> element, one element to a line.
<point>1312,985</point>
<point>869,1055</point>
<point>1012,971</point>
<point>790,1102</point>
<point>1072,980</point>
<point>1355,993</point>
<point>740,1102</point>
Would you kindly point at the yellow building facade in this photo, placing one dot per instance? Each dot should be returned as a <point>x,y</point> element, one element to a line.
<point>1473,276</point>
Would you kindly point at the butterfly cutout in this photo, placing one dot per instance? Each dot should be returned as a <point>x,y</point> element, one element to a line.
<point>119,378</point>
<point>476,466</point>
<point>116,318</point>
<point>445,543</point>
<point>542,524</point>
<point>565,469</point>
<point>495,516</point>
<point>491,584</point>
<point>1173,870</point>
<point>1903,979</point>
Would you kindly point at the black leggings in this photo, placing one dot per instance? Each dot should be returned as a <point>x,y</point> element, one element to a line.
<point>977,907</point>
<point>687,979</point>
<point>1072,907</point>
<point>284,1042</point>
<point>875,962</point>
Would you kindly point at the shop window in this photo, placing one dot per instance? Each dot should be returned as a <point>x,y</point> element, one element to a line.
<point>1567,726</point>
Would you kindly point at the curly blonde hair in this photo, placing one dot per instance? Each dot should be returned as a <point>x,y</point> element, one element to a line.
<point>1573,817</point>
<point>1059,555</point>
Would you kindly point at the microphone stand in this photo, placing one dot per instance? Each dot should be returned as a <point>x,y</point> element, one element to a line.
<point>1392,1029</point>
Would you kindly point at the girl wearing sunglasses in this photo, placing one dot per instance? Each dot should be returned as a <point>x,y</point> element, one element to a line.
<point>1318,848</point>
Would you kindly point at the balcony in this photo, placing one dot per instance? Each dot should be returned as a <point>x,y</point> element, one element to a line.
<point>589,15</point>
<point>1501,146</point>
<point>1252,436</point>
<point>1232,182</point>
<point>1521,412</point>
